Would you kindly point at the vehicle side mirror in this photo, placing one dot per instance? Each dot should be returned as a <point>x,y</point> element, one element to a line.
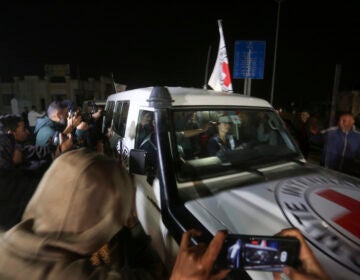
<point>137,161</point>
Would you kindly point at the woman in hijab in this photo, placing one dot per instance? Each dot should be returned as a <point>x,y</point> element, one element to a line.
<point>79,224</point>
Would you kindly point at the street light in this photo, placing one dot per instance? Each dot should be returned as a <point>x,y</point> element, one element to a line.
<point>275,52</point>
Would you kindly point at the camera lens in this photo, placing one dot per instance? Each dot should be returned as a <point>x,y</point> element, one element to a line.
<point>56,139</point>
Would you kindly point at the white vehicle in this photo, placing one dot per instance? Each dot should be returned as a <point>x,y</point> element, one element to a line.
<point>259,184</point>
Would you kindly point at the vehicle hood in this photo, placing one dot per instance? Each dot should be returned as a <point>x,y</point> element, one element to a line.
<point>325,206</point>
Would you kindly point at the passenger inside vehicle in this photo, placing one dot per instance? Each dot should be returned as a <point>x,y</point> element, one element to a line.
<point>144,128</point>
<point>190,146</point>
<point>265,133</point>
<point>223,141</point>
<point>146,140</point>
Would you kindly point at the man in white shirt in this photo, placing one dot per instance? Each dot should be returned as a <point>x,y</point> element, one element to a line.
<point>32,117</point>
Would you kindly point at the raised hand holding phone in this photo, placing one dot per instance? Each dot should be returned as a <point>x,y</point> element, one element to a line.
<point>309,267</point>
<point>259,252</point>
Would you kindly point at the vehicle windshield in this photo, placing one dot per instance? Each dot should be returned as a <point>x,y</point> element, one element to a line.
<point>220,142</point>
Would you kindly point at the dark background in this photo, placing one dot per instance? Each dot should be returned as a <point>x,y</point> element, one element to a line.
<point>150,43</point>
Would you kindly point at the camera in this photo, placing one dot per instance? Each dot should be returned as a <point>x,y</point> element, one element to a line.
<point>93,106</point>
<point>85,117</point>
<point>266,253</point>
<point>55,139</point>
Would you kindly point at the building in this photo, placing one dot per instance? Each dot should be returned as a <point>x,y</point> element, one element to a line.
<point>56,84</point>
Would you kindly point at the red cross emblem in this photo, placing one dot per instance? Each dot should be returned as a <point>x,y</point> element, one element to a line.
<point>350,219</point>
<point>225,70</point>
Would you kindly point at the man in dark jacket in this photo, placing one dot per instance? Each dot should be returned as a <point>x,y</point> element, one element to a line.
<point>341,145</point>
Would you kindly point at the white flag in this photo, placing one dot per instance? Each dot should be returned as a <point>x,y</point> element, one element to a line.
<point>119,87</point>
<point>220,79</point>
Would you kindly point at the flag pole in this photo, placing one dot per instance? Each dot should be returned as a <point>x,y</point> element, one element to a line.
<point>112,77</point>
<point>207,68</point>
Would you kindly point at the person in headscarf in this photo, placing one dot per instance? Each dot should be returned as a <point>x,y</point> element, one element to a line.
<point>80,224</point>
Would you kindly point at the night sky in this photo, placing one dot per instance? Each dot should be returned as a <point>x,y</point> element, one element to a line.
<point>146,44</point>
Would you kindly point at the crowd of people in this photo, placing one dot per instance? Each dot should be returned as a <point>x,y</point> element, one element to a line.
<point>26,155</point>
<point>94,232</point>
<point>61,220</point>
<point>339,145</point>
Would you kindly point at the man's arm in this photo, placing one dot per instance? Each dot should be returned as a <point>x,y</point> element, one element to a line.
<point>193,132</point>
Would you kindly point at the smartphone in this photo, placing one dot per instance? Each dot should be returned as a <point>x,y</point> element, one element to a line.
<point>267,253</point>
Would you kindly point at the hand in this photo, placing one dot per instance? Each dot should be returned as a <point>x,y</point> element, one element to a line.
<point>109,132</point>
<point>132,220</point>
<point>310,268</point>
<point>207,126</point>
<point>74,121</point>
<point>17,156</point>
<point>83,126</point>
<point>314,130</point>
<point>100,146</point>
<point>66,142</point>
<point>196,261</point>
<point>97,114</point>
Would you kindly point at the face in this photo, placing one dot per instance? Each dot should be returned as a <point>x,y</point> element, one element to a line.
<point>191,117</point>
<point>62,115</point>
<point>146,119</point>
<point>244,118</point>
<point>304,116</point>
<point>21,133</point>
<point>224,128</point>
<point>262,116</point>
<point>346,123</point>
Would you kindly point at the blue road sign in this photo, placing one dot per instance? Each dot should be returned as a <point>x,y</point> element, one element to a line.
<point>249,59</point>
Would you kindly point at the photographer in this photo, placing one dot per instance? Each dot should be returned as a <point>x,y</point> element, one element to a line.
<point>56,122</point>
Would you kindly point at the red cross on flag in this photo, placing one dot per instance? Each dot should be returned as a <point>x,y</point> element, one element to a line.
<point>220,79</point>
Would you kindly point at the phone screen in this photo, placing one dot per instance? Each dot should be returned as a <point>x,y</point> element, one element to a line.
<point>266,253</point>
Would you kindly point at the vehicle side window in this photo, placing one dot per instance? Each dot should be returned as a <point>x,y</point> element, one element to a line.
<point>120,117</point>
<point>123,118</point>
<point>109,111</point>
<point>144,127</point>
<point>145,140</point>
